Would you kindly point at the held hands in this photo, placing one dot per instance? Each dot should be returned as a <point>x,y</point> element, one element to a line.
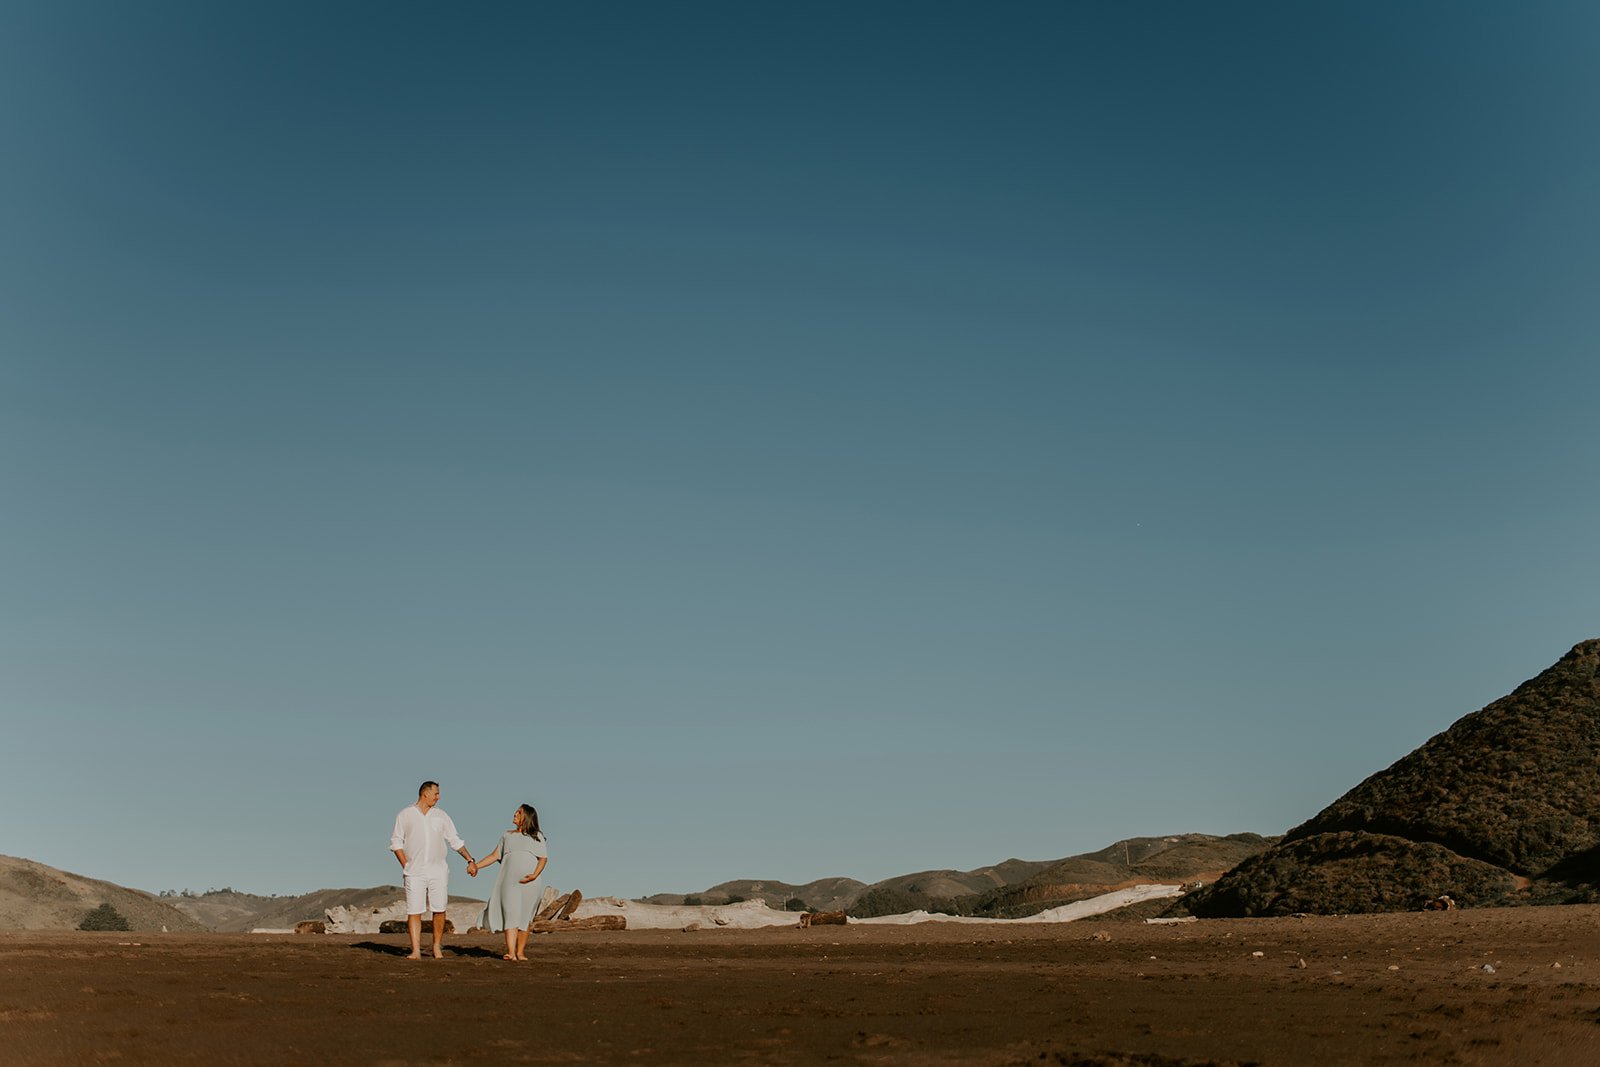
<point>472,869</point>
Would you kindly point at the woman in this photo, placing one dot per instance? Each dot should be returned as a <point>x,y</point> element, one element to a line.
<point>521,855</point>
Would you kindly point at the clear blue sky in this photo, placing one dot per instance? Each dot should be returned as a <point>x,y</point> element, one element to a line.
<point>776,440</point>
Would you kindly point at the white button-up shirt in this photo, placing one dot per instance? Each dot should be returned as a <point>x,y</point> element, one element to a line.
<point>423,838</point>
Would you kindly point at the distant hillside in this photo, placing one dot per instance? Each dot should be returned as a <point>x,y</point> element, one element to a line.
<point>229,911</point>
<point>824,894</point>
<point>944,891</point>
<point>1501,808</point>
<point>221,909</point>
<point>1136,861</point>
<point>835,894</point>
<point>36,897</point>
<point>948,884</point>
<point>1010,889</point>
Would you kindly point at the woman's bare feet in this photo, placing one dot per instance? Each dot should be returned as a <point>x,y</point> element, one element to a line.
<point>414,956</point>
<point>509,959</point>
<point>522,959</point>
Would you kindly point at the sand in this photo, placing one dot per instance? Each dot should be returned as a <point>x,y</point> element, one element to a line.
<point>1374,990</point>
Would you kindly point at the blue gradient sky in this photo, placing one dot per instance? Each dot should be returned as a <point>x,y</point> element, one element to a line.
<point>777,441</point>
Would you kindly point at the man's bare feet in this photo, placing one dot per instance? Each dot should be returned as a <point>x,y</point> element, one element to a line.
<point>414,956</point>
<point>509,959</point>
<point>438,955</point>
<point>522,959</point>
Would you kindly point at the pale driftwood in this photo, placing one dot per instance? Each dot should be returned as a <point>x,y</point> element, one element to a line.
<point>823,918</point>
<point>593,922</point>
<point>574,898</point>
<point>311,926</point>
<point>550,910</point>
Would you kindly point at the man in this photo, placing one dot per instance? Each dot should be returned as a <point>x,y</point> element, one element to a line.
<point>420,834</point>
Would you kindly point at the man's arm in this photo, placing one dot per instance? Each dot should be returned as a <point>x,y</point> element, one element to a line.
<point>397,839</point>
<point>453,839</point>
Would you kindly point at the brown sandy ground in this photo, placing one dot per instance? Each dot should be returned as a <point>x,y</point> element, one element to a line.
<point>1374,990</point>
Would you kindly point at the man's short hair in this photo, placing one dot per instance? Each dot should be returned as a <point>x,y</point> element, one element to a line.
<point>425,786</point>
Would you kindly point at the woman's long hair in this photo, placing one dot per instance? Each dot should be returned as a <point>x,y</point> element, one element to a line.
<point>530,822</point>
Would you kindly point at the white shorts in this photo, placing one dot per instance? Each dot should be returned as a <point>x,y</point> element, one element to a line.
<point>426,892</point>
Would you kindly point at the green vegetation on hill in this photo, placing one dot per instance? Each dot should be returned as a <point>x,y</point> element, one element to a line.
<point>1350,873</point>
<point>105,917</point>
<point>1507,795</point>
<point>1515,784</point>
<point>891,900</point>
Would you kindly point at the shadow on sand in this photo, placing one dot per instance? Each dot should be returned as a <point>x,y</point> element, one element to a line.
<point>470,951</point>
<point>387,950</point>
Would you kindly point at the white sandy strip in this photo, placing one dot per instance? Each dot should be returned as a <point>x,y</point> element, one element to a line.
<point>753,914</point>
<point>1078,909</point>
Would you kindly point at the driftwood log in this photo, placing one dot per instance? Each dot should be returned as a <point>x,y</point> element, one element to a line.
<point>593,922</point>
<point>546,898</point>
<point>823,918</point>
<point>560,908</point>
<point>311,926</point>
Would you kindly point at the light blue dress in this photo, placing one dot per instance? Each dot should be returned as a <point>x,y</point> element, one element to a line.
<point>511,902</point>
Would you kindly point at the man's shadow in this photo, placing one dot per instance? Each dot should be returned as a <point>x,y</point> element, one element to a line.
<point>471,951</point>
<point>387,950</point>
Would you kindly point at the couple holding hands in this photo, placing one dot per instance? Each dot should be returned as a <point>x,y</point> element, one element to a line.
<point>421,832</point>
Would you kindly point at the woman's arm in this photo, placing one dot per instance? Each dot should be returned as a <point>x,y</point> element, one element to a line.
<point>537,871</point>
<point>492,857</point>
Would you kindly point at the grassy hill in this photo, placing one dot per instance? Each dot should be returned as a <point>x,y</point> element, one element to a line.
<point>221,909</point>
<point>1503,807</point>
<point>229,911</point>
<point>34,896</point>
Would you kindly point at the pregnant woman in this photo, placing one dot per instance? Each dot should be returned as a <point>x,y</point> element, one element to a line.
<point>521,855</point>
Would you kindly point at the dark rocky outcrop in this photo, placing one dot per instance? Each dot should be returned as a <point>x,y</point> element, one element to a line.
<point>1503,807</point>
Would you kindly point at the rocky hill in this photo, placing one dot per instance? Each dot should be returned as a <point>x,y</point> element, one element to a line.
<point>36,897</point>
<point>1501,808</point>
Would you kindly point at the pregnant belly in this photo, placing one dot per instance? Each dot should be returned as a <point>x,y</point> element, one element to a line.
<point>519,865</point>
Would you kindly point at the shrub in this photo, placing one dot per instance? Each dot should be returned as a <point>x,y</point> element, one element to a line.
<point>105,917</point>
